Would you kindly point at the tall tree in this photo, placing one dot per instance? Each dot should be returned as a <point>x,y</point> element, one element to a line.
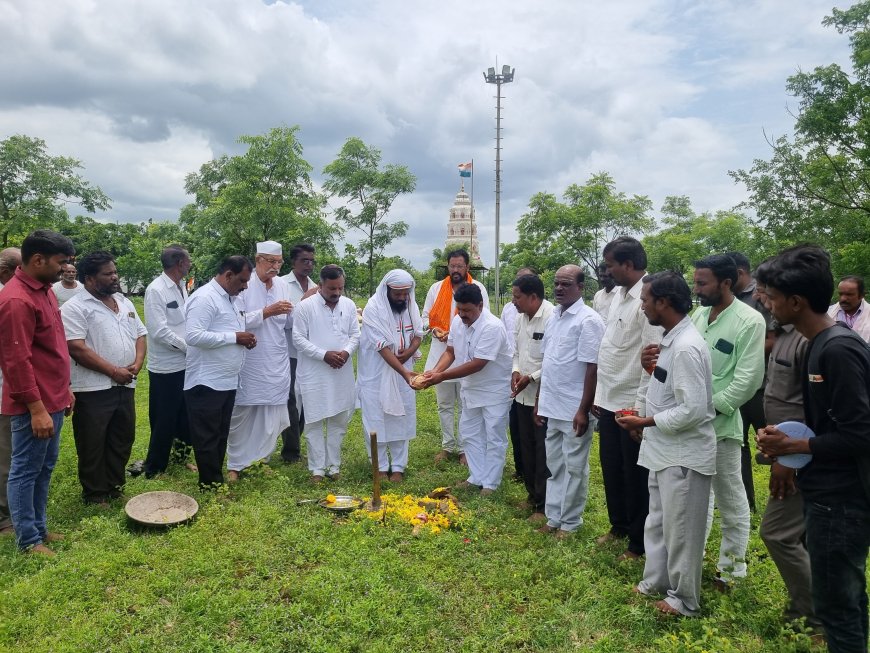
<point>687,237</point>
<point>554,233</point>
<point>816,185</point>
<point>357,176</point>
<point>263,194</point>
<point>35,187</point>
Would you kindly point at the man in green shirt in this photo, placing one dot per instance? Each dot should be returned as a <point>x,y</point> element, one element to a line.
<point>735,333</point>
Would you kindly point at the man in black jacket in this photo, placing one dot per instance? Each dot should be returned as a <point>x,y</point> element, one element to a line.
<point>835,482</point>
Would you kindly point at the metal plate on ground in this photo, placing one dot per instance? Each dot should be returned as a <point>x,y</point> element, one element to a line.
<point>342,503</point>
<point>162,508</point>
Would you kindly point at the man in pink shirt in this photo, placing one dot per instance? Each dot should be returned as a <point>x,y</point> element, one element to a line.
<point>36,376</point>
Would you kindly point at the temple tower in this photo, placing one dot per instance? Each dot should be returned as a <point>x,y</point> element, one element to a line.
<point>461,228</point>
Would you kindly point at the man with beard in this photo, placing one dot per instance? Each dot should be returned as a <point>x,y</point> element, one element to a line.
<point>67,287</point>
<point>735,334</point>
<point>438,312</point>
<point>36,395</point>
<point>326,334</point>
<point>604,297</point>
<point>851,308</point>
<point>390,336</point>
<point>678,448</point>
<point>478,342</point>
<point>260,409</point>
<point>570,346</point>
<point>106,341</point>
<point>509,315</point>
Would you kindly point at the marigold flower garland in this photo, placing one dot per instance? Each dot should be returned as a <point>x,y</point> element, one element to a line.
<point>433,513</point>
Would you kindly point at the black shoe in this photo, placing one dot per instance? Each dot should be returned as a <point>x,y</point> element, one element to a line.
<point>290,461</point>
<point>136,468</point>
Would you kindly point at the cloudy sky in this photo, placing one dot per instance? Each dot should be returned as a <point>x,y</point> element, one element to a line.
<point>666,95</point>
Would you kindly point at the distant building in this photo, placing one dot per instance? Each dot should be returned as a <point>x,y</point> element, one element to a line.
<point>461,228</point>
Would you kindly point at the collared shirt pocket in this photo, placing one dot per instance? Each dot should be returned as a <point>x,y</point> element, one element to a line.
<point>174,313</point>
<point>721,354</point>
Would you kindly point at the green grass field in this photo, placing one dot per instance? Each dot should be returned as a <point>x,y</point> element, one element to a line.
<point>257,572</point>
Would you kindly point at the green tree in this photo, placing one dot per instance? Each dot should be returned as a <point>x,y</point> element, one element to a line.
<point>356,175</point>
<point>688,237</point>
<point>816,185</point>
<point>554,233</point>
<point>35,187</point>
<point>263,194</point>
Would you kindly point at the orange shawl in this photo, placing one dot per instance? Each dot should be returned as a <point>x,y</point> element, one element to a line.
<point>442,310</point>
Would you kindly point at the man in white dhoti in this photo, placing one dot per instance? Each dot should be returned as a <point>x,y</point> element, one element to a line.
<point>260,411</point>
<point>326,334</point>
<point>391,334</point>
<point>479,344</point>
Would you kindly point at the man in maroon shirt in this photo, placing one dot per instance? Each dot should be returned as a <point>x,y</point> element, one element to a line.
<point>36,374</point>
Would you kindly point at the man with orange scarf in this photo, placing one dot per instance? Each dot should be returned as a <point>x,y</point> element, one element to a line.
<point>438,311</point>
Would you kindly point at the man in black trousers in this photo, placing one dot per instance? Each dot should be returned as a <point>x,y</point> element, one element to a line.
<point>216,343</point>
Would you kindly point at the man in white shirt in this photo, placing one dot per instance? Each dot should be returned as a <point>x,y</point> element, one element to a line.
<point>438,312</point>
<point>534,313</point>
<point>301,286</point>
<point>851,307</point>
<point>260,409</point>
<point>509,316</point>
<point>326,334</point>
<point>389,340</point>
<point>479,354</point>
<point>622,383</point>
<point>106,341</point>
<point>216,340</point>
<point>67,287</point>
<point>165,298</point>
<point>678,448</point>
<point>10,258</point>
<point>570,354</point>
<point>604,297</point>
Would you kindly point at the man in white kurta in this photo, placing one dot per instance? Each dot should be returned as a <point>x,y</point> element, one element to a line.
<point>390,336</point>
<point>479,344</point>
<point>570,356</point>
<point>438,311</point>
<point>326,334</point>
<point>260,411</point>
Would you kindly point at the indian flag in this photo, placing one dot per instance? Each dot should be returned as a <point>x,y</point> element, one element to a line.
<point>465,169</point>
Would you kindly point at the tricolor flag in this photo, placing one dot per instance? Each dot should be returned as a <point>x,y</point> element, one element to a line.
<point>465,169</point>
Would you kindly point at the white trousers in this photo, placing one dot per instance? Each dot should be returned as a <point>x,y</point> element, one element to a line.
<point>678,500</point>
<point>485,443</point>
<point>730,496</point>
<point>447,396</point>
<point>391,455</point>
<point>568,485</point>
<point>324,451</point>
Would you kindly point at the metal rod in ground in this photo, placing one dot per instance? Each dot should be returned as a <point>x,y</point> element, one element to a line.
<point>376,476</point>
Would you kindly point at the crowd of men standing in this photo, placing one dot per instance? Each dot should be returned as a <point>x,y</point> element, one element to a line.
<point>251,359</point>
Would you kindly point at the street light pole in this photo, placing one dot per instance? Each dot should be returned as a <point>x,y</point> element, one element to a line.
<point>504,77</point>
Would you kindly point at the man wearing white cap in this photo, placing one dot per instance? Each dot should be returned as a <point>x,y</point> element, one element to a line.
<point>260,411</point>
<point>390,336</point>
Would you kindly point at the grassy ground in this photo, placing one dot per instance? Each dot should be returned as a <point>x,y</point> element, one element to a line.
<point>256,572</point>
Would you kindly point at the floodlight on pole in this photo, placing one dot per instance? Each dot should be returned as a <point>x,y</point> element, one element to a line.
<point>505,77</point>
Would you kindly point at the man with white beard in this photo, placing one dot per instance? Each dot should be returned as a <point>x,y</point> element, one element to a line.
<point>260,410</point>
<point>390,336</point>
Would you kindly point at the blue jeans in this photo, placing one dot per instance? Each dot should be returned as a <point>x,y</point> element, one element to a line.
<point>838,539</point>
<point>33,460</point>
